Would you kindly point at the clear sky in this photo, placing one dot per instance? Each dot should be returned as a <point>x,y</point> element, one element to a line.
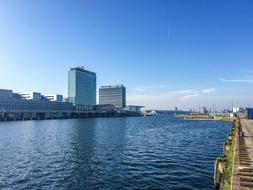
<point>167,53</point>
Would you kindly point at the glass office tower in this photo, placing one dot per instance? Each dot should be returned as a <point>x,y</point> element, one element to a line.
<point>115,95</point>
<point>82,88</point>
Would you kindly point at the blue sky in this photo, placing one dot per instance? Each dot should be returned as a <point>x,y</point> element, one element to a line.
<point>167,53</point>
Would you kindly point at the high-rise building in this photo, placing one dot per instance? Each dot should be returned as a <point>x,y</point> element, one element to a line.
<point>115,95</point>
<point>202,110</point>
<point>82,88</point>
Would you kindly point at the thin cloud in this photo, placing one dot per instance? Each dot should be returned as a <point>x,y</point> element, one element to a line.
<point>207,91</point>
<point>192,91</point>
<point>170,97</point>
<point>155,86</point>
<point>236,80</point>
<point>186,91</point>
<point>144,88</point>
<point>139,89</point>
<point>190,96</point>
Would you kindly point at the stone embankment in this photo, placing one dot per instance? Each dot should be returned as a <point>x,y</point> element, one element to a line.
<point>204,117</point>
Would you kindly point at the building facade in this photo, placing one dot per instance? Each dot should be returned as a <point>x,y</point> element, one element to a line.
<point>238,110</point>
<point>31,96</point>
<point>6,93</point>
<point>14,102</point>
<point>114,95</point>
<point>202,110</point>
<point>134,108</point>
<point>54,98</point>
<point>250,113</point>
<point>82,88</point>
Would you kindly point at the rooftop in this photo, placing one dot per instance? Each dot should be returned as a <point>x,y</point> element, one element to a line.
<point>81,68</point>
<point>112,86</point>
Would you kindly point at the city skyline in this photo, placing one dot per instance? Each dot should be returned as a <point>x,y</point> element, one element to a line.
<point>174,53</point>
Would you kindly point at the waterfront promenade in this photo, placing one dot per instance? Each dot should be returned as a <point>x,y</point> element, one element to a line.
<point>242,176</point>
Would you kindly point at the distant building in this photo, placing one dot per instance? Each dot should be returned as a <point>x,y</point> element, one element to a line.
<point>105,107</point>
<point>5,93</point>
<point>134,108</point>
<point>202,110</point>
<point>250,113</point>
<point>82,88</point>
<point>232,115</point>
<point>31,96</point>
<point>30,103</point>
<point>238,110</point>
<point>114,95</point>
<point>54,98</point>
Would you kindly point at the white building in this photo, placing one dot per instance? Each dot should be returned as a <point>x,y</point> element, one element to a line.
<point>238,110</point>
<point>134,108</point>
<point>31,96</point>
<point>202,110</point>
<point>54,98</point>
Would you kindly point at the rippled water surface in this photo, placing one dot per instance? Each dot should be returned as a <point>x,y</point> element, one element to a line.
<point>158,152</point>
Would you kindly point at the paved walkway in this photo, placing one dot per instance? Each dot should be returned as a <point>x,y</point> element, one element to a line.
<point>245,157</point>
<point>247,128</point>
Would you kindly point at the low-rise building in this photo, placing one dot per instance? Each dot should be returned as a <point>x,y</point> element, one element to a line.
<point>250,113</point>
<point>134,108</point>
<point>6,93</point>
<point>30,102</point>
<point>105,107</point>
<point>31,96</point>
<point>238,110</point>
<point>54,98</point>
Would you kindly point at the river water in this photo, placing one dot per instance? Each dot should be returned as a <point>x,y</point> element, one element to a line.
<point>159,152</point>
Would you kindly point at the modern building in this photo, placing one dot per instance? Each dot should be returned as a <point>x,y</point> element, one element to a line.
<point>16,103</point>
<point>238,110</point>
<point>105,107</point>
<point>82,88</point>
<point>31,96</point>
<point>54,98</point>
<point>113,94</point>
<point>134,108</point>
<point>202,110</point>
<point>250,113</point>
<point>6,93</point>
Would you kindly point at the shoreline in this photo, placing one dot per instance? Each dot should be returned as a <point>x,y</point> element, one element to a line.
<point>82,115</point>
<point>199,117</point>
<point>202,119</point>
